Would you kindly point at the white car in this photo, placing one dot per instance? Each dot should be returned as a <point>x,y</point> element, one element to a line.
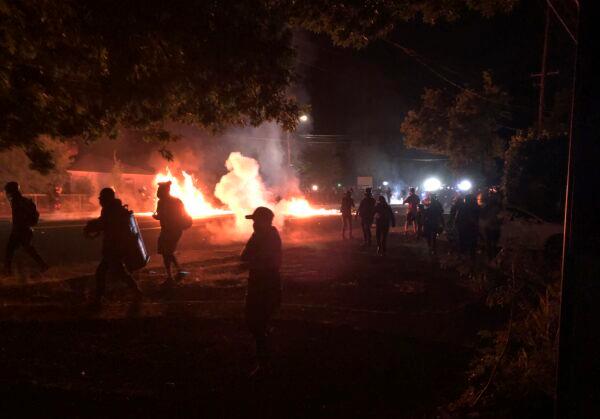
<point>524,230</point>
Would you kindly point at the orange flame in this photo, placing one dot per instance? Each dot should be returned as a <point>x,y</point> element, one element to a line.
<point>241,190</point>
<point>190,195</point>
<point>300,208</point>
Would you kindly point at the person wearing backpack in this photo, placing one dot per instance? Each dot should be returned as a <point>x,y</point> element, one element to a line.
<point>113,224</point>
<point>24,216</point>
<point>173,218</point>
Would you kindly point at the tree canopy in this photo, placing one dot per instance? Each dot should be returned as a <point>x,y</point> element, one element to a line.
<point>463,127</point>
<point>80,68</point>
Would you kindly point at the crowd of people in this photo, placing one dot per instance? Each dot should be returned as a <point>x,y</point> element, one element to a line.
<point>262,253</point>
<point>471,218</point>
<point>122,252</point>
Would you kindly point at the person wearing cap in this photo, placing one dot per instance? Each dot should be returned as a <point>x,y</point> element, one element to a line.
<point>173,220</point>
<point>262,256</point>
<point>113,224</point>
<point>366,212</point>
<point>346,210</point>
<point>24,217</point>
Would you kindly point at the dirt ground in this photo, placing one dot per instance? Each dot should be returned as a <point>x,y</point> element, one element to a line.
<point>358,335</point>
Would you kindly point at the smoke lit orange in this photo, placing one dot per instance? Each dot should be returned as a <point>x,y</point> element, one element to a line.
<point>190,195</point>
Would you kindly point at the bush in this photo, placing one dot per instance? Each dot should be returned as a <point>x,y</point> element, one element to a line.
<point>535,174</point>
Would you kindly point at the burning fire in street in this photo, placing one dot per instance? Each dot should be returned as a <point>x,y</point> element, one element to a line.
<point>300,208</point>
<point>190,195</point>
<point>241,190</point>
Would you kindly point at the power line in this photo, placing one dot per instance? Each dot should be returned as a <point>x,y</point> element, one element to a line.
<point>414,55</point>
<point>561,20</point>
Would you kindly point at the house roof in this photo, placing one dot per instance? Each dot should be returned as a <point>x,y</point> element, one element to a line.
<point>91,163</point>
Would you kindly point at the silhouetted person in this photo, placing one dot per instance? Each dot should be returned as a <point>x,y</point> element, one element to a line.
<point>173,218</point>
<point>346,210</point>
<point>452,229</point>
<point>24,216</point>
<point>412,200</point>
<point>388,194</point>
<point>490,222</point>
<point>467,224</point>
<point>262,255</point>
<point>113,224</point>
<point>420,219</point>
<point>433,222</point>
<point>384,218</point>
<point>366,212</point>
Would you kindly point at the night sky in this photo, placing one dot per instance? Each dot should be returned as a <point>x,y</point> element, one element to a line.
<point>363,95</point>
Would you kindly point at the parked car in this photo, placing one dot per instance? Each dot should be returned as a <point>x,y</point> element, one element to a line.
<point>523,230</point>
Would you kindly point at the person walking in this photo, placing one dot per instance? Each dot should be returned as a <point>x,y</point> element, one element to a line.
<point>366,212</point>
<point>174,219</point>
<point>388,194</point>
<point>346,210</point>
<point>433,223</point>
<point>467,225</point>
<point>113,224</point>
<point>384,217</point>
<point>490,222</point>
<point>412,200</point>
<point>24,216</point>
<point>262,257</point>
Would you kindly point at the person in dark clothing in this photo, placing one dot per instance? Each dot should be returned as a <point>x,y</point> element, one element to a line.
<point>412,200</point>
<point>467,225</point>
<point>490,222</point>
<point>24,217</point>
<point>384,217</point>
<point>262,256</point>
<point>173,220</point>
<point>433,223</point>
<point>366,212</point>
<point>388,194</point>
<point>419,219</point>
<point>452,229</point>
<point>346,210</point>
<point>113,224</point>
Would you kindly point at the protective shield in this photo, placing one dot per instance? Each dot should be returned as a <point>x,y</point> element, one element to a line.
<point>136,255</point>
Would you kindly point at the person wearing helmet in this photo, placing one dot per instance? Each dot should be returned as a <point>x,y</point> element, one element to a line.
<point>366,212</point>
<point>262,257</point>
<point>113,224</point>
<point>173,220</point>
<point>24,216</point>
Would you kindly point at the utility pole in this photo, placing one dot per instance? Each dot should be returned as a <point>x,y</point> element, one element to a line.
<point>542,75</point>
<point>579,334</point>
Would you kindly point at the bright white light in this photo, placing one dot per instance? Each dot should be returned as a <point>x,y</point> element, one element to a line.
<point>303,118</point>
<point>315,188</point>
<point>465,185</point>
<point>385,183</point>
<point>432,184</point>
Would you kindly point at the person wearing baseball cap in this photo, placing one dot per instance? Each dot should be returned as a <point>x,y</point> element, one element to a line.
<point>262,257</point>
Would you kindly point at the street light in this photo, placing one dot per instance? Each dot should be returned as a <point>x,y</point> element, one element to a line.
<point>302,118</point>
<point>385,183</point>
<point>432,184</point>
<point>465,185</point>
<point>315,188</point>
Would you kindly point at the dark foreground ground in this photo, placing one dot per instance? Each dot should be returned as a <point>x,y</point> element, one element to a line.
<point>358,336</point>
